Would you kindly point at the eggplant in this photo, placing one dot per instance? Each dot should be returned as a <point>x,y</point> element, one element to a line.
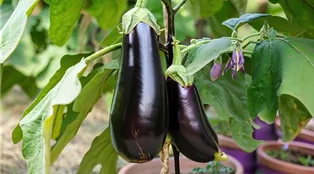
<point>139,117</point>
<point>189,128</point>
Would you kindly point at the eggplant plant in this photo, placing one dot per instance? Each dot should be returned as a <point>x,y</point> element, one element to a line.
<point>161,72</point>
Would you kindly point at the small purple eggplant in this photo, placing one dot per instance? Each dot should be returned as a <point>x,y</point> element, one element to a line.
<point>189,128</point>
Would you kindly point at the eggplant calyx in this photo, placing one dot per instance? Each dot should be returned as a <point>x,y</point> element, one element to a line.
<point>220,156</point>
<point>179,74</point>
<point>136,15</point>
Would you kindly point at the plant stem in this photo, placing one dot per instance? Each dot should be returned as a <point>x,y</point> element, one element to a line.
<point>249,36</point>
<point>176,155</point>
<point>170,30</point>
<point>102,52</point>
<point>141,3</point>
<point>177,8</point>
<point>188,48</point>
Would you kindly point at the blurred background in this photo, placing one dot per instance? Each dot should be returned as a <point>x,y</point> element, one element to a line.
<point>36,59</point>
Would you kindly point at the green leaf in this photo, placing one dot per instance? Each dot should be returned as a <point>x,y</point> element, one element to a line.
<point>113,37</point>
<point>204,8</point>
<point>66,62</point>
<point>63,17</point>
<point>227,11</point>
<point>278,23</point>
<point>299,12</point>
<point>242,134</point>
<point>107,12</point>
<point>228,97</point>
<point>1,1</point>
<point>6,10</point>
<point>235,23</point>
<point>12,76</point>
<point>207,53</point>
<point>266,79</point>
<point>12,31</point>
<point>100,152</point>
<point>91,92</point>
<point>38,123</point>
<point>291,75</point>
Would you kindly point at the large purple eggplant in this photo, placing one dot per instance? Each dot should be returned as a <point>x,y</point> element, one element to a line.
<point>138,117</point>
<point>189,128</point>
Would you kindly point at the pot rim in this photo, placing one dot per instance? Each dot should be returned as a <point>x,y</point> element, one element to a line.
<point>279,165</point>
<point>304,134</point>
<point>238,166</point>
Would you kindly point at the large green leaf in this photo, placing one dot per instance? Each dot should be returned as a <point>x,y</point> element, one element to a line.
<point>12,31</point>
<point>287,86</point>
<point>6,10</point>
<point>12,76</point>
<point>207,53</point>
<point>300,15</point>
<point>63,17</point>
<point>66,62</point>
<point>100,152</point>
<point>278,23</point>
<point>299,12</point>
<point>235,23</point>
<point>228,97</point>
<point>266,80</point>
<point>204,8</point>
<point>107,12</point>
<point>37,124</point>
<point>91,92</point>
<point>242,134</point>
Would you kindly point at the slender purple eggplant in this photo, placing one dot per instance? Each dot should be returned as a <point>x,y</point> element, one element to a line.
<point>139,117</point>
<point>188,125</point>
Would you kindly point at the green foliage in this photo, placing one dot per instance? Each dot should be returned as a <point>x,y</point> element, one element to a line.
<point>207,53</point>
<point>63,17</point>
<point>235,23</point>
<point>100,152</point>
<point>107,12</point>
<point>228,97</point>
<point>13,29</point>
<point>12,76</point>
<point>214,168</point>
<point>283,80</point>
<point>37,124</point>
<point>78,111</point>
<point>204,8</point>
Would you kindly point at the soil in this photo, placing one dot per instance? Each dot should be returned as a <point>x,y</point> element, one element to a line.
<point>11,159</point>
<point>293,156</point>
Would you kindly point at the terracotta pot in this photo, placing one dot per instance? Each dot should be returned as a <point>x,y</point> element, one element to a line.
<point>266,131</point>
<point>270,165</point>
<point>306,136</point>
<point>248,160</point>
<point>186,166</point>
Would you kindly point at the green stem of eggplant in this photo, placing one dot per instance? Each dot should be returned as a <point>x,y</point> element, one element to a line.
<point>176,155</point>
<point>141,3</point>
<point>102,52</point>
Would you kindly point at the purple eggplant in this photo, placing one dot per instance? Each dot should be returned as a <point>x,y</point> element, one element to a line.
<point>189,128</point>
<point>139,117</point>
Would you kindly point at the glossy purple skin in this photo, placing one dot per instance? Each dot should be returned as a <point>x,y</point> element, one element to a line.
<point>138,118</point>
<point>189,128</point>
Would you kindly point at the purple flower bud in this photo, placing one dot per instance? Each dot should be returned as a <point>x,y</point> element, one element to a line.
<point>236,63</point>
<point>215,72</point>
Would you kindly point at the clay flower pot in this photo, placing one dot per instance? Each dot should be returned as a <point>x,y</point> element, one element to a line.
<point>306,136</point>
<point>266,132</point>
<point>248,160</point>
<point>186,166</point>
<point>270,165</point>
